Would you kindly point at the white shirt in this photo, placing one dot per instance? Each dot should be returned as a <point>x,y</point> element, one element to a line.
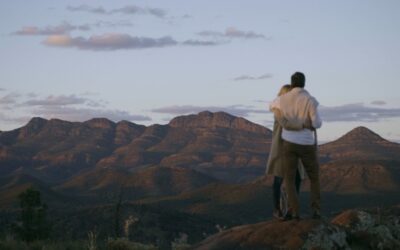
<point>298,105</point>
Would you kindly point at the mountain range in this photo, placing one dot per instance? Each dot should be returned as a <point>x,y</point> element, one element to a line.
<point>208,164</point>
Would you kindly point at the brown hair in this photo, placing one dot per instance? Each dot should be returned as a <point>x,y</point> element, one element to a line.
<point>284,89</point>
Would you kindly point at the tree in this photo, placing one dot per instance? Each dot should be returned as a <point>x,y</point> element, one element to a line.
<point>33,223</point>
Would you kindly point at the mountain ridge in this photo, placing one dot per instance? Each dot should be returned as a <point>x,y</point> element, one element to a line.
<point>210,166</point>
<point>225,148</point>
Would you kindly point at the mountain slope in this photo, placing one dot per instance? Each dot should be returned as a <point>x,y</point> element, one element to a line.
<point>11,186</point>
<point>360,162</point>
<point>148,182</point>
<point>360,144</point>
<point>59,148</point>
<point>206,142</point>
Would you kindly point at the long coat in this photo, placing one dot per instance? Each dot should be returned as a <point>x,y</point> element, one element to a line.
<point>275,160</point>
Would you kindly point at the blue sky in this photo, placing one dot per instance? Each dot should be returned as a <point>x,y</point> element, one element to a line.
<point>149,61</point>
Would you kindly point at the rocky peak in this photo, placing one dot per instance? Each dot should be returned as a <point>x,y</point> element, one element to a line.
<point>32,127</point>
<point>203,119</point>
<point>126,125</point>
<point>209,119</point>
<point>125,131</point>
<point>36,122</point>
<point>103,123</point>
<point>361,135</point>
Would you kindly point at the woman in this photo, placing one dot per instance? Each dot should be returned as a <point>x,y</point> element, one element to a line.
<point>275,161</point>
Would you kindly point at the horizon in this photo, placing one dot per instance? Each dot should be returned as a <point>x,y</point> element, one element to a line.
<point>150,62</point>
<point>320,142</point>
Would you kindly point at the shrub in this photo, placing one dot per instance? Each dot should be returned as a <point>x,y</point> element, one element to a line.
<point>33,225</point>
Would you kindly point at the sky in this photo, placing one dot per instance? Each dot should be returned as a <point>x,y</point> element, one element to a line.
<point>150,61</point>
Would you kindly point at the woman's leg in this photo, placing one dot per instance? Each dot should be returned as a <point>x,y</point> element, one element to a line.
<point>298,181</point>
<point>276,191</point>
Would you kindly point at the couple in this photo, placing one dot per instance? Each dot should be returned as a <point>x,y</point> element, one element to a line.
<point>294,147</point>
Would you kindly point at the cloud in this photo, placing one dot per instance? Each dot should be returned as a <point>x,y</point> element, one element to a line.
<point>232,32</point>
<point>133,9</point>
<point>10,98</point>
<point>84,114</point>
<point>200,43</point>
<point>2,89</point>
<point>117,41</point>
<point>167,119</point>
<point>68,107</point>
<point>113,24</point>
<point>357,112</point>
<point>378,103</point>
<point>247,77</point>
<point>86,8</point>
<point>238,110</point>
<point>31,95</point>
<point>111,41</point>
<point>60,100</point>
<point>126,10</point>
<point>210,33</point>
<point>29,100</point>
<point>63,28</point>
<point>235,33</point>
<point>157,12</point>
<point>4,118</point>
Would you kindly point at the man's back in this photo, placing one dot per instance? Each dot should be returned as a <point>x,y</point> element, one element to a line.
<point>300,107</point>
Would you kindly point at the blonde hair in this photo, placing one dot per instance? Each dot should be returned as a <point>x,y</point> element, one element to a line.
<point>285,88</point>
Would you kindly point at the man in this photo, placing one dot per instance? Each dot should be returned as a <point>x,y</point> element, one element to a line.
<point>299,106</point>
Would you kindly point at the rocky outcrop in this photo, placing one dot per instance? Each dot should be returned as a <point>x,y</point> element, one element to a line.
<point>377,228</point>
<point>278,235</point>
<point>352,229</point>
